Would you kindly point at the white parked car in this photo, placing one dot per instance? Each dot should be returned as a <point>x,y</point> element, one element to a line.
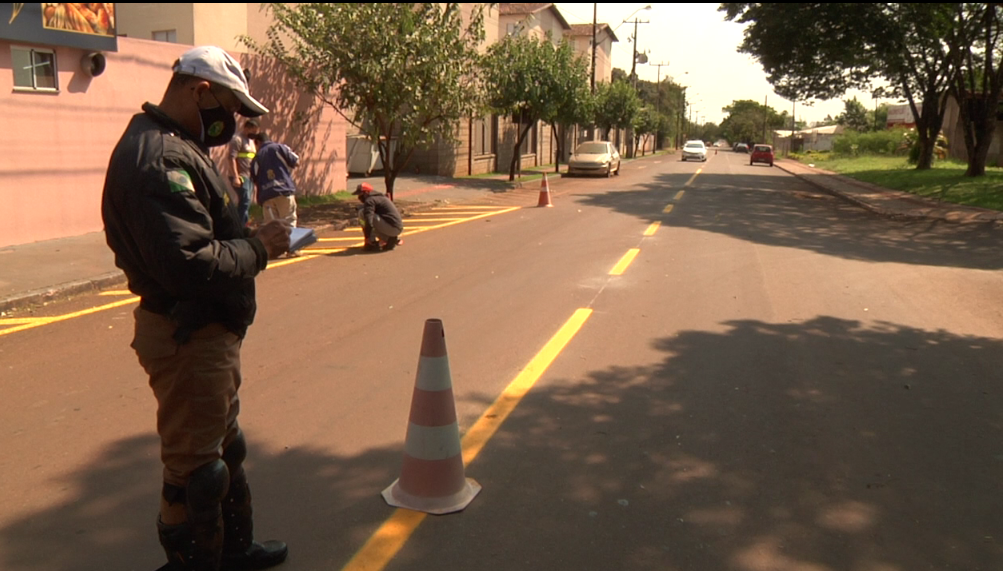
<point>694,150</point>
<point>595,157</point>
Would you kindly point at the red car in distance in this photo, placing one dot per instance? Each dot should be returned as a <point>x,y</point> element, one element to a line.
<point>761,154</point>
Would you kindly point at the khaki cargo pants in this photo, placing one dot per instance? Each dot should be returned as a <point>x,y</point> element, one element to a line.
<point>196,389</point>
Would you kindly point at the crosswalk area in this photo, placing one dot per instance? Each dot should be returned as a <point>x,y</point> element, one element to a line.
<point>427,220</point>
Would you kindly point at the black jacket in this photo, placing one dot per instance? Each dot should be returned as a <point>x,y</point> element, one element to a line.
<point>377,203</point>
<point>169,220</point>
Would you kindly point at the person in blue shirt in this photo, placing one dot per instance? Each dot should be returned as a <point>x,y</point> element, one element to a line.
<point>271,170</point>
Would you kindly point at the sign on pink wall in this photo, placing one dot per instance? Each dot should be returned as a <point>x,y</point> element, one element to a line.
<point>89,26</point>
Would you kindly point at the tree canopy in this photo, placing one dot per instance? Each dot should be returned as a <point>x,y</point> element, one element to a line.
<point>403,73</point>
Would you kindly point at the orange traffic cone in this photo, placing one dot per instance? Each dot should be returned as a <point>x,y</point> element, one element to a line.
<point>544,193</point>
<point>432,478</point>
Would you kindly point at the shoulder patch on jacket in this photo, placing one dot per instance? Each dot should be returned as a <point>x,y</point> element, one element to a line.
<point>180,181</point>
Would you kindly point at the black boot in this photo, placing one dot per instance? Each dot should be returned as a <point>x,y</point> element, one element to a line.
<point>240,551</point>
<point>185,551</point>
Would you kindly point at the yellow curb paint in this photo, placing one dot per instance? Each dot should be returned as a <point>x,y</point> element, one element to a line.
<point>390,538</point>
<point>679,195</point>
<point>668,208</point>
<point>625,261</point>
<point>57,318</point>
<point>461,207</point>
<point>433,219</point>
<point>38,322</point>
<point>288,261</point>
<point>652,229</point>
<point>116,292</point>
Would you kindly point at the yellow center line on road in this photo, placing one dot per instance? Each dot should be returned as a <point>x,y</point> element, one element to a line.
<point>113,292</point>
<point>625,261</point>
<point>652,229</point>
<point>668,208</point>
<point>390,538</point>
<point>679,195</point>
<point>349,239</point>
<point>692,178</point>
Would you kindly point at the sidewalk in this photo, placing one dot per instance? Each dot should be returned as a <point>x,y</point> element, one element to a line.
<point>35,273</point>
<point>889,203</point>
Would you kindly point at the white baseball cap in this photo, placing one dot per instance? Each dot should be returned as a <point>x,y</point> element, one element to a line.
<point>214,64</point>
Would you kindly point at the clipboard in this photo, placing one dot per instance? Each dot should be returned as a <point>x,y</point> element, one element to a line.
<point>301,238</point>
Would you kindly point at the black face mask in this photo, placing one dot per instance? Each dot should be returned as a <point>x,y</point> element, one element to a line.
<point>218,125</point>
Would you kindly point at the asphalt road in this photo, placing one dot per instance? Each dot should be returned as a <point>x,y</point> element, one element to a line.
<point>777,381</point>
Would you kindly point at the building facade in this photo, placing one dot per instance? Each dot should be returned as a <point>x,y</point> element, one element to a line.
<point>67,95</point>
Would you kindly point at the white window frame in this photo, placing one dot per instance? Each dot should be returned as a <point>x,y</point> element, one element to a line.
<point>34,82</point>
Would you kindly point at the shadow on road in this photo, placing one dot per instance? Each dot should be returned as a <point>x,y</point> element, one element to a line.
<point>785,211</point>
<point>822,445</point>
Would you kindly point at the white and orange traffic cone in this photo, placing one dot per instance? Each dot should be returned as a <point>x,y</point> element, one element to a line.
<point>432,478</point>
<point>544,193</point>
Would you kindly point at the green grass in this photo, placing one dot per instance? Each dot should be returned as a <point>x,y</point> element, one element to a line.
<point>945,181</point>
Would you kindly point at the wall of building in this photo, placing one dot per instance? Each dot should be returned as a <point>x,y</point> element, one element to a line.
<point>139,20</point>
<point>54,157</point>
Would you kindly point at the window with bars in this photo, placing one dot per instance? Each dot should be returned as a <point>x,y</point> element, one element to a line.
<point>34,69</point>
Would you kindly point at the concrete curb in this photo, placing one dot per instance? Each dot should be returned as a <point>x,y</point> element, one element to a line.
<point>43,295</point>
<point>924,210</point>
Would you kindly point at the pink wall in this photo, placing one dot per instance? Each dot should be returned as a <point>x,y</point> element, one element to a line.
<point>55,147</point>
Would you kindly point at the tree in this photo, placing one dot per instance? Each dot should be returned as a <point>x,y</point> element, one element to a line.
<point>533,80</point>
<point>577,104</point>
<point>820,50</point>
<point>978,84</point>
<point>616,105</point>
<point>398,72</point>
<point>854,116</point>
<point>750,121</point>
<point>646,124</point>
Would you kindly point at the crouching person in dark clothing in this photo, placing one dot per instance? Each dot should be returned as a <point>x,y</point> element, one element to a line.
<point>381,221</point>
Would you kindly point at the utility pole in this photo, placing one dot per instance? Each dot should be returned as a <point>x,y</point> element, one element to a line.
<point>658,100</point>
<point>633,77</point>
<point>595,25</point>
<point>766,115</point>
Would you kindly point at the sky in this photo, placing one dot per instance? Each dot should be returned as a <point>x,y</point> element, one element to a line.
<point>701,50</point>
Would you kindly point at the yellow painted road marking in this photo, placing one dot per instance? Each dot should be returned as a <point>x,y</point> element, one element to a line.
<point>69,316</point>
<point>349,239</point>
<point>446,224</point>
<point>668,209</point>
<point>679,195</point>
<point>625,261</point>
<point>652,229</point>
<point>390,538</point>
<point>308,254</point>
<point>692,178</point>
<point>433,219</point>
<point>116,292</point>
<point>24,320</point>
<point>321,251</point>
<point>462,207</point>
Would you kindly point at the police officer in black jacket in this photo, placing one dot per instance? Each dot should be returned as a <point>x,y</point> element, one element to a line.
<point>180,242</point>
